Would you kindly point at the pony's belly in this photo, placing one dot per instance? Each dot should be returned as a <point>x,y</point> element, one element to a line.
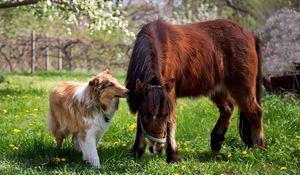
<point>192,92</point>
<point>199,91</point>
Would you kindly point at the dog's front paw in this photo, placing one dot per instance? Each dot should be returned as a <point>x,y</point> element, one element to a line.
<point>95,163</point>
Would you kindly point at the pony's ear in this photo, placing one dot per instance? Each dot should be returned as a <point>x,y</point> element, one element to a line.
<point>148,88</point>
<point>170,84</point>
<point>94,82</point>
<point>138,84</point>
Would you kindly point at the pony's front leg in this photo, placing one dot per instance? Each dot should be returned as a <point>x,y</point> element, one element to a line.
<point>140,142</point>
<point>172,150</point>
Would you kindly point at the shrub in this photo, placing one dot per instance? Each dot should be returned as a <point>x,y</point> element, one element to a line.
<point>281,38</point>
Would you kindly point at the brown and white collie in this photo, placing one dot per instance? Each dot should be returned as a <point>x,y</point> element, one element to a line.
<point>85,111</point>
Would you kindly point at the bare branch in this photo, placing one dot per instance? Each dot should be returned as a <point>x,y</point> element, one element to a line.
<point>18,3</point>
<point>231,5</point>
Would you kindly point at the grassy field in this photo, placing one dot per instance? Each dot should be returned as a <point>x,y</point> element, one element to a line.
<point>27,148</point>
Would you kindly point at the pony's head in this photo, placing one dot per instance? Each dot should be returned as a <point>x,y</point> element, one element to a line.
<point>154,110</point>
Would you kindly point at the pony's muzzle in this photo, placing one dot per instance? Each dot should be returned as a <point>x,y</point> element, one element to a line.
<point>155,147</point>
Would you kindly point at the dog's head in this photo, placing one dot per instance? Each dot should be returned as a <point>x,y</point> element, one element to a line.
<point>106,87</point>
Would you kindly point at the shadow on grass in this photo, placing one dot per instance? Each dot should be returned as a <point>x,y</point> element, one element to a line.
<point>41,155</point>
<point>232,144</point>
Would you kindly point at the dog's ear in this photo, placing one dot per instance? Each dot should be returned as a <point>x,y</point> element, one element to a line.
<point>94,82</point>
<point>108,71</point>
<point>170,84</point>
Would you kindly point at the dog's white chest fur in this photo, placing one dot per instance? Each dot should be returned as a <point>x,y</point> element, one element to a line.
<point>99,121</point>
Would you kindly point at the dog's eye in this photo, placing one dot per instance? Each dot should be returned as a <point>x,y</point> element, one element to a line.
<point>109,84</point>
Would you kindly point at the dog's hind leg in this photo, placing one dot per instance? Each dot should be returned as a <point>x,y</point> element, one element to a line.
<point>55,129</point>
<point>75,142</point>
<point>60,136</point>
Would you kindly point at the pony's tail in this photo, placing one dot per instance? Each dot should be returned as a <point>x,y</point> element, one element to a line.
<point>244,123</point>
<point>259,77</point>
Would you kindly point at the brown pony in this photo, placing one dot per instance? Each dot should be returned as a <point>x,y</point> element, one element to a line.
<point>218,58</point>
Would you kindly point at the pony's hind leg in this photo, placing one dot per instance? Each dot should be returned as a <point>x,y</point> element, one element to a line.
<point>218,133</point>
<point>251,117</point>
<point>251,125</point>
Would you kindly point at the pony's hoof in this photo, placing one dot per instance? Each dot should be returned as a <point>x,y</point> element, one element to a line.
<point>173,158</point>
<point>216,142</point>
<point>216,147</point>
<point>137,153</point>
<point>259,143</point>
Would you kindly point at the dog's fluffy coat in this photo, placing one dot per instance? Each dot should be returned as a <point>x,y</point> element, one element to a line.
<point>85,111</point>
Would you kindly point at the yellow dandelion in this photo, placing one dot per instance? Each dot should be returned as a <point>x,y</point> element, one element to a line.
<point>16,130</point>
<point>132,127</point>
<point>229,156</point>
<point>297,137</point>
<point>181,107</point>
<point>244,153</point>
<point>219,157</point>
<point>283,168</point>
<point>36,109</point>
<point>13,147</point>
<point>5,110</point>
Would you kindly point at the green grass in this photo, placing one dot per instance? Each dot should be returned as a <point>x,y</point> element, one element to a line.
<point>27,148</point>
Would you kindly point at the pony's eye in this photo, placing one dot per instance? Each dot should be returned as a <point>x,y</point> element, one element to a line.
<point>147,116</point>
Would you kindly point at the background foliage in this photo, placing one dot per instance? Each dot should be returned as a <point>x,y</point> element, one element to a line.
<point>110,26</point>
